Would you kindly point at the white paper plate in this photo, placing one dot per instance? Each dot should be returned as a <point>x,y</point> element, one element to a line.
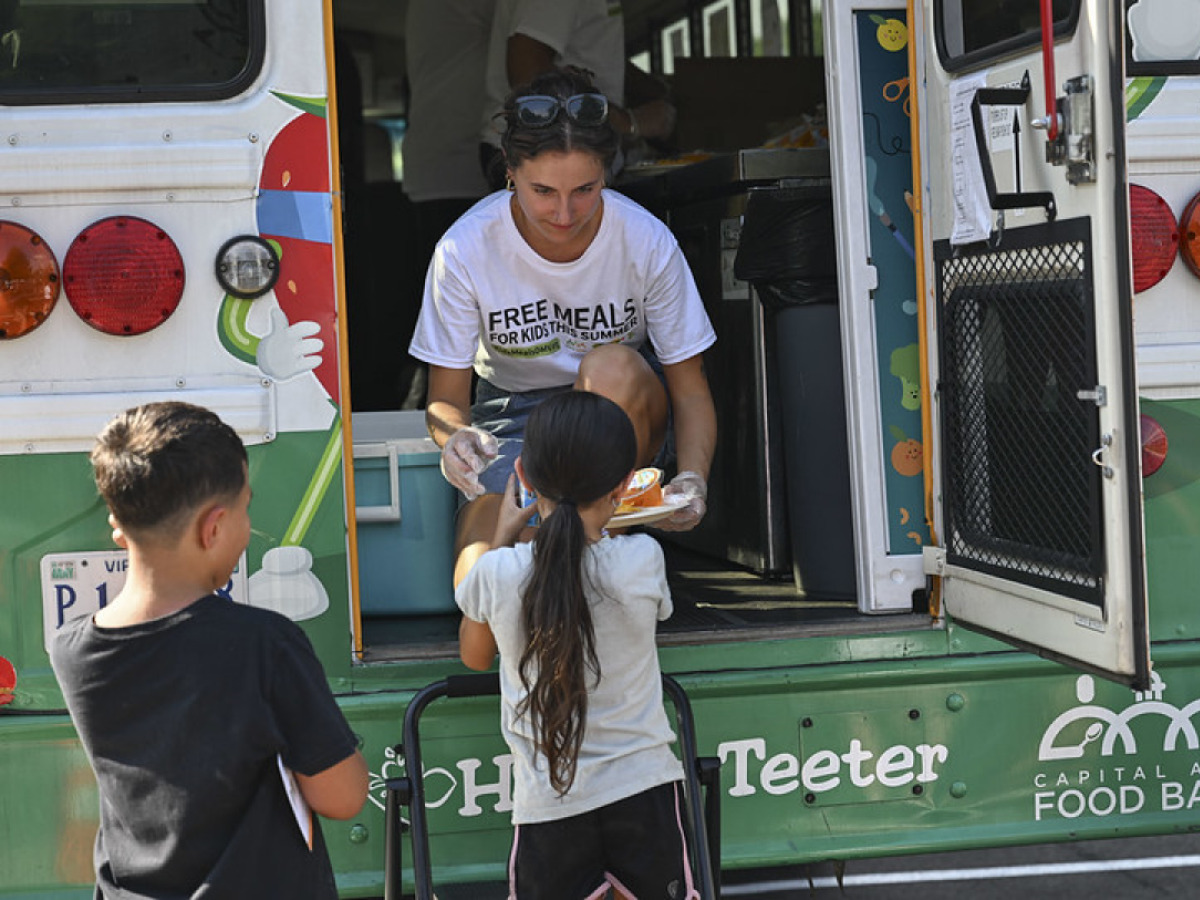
<point>641,516</point>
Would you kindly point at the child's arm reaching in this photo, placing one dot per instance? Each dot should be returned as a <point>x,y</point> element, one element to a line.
<point>476,644</point>
<point>512,517</point>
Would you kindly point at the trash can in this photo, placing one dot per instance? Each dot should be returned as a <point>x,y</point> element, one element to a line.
<point>788,252</point>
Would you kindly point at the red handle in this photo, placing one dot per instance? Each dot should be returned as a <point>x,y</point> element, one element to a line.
<point>1048,68</point>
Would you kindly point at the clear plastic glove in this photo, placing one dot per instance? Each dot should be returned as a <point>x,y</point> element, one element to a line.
<point>689,492</point>
<point>469,451</point>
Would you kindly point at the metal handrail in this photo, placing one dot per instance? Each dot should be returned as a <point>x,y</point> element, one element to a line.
<point>702,795</point>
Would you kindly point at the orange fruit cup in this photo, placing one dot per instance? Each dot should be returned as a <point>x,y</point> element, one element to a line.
<point>644,491</point>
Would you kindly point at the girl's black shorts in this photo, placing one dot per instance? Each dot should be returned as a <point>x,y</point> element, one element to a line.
<point>637,845</point>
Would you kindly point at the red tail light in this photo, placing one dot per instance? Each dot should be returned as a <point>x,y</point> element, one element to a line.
<point>8,681</point>
<point>1155,237</point>
<point>1154,446</point>
<point>29,280</point>
<point>1189,237</point>
<point>123,275</point>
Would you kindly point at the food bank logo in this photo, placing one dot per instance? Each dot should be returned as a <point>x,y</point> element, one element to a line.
<point>1109,727</point>
<point>1123,776</point>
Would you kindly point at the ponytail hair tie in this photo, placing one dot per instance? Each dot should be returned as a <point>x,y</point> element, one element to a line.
<point>566,501</point>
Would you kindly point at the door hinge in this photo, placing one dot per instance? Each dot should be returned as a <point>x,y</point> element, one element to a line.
<point>933,560</point>
<point>1074,146</point>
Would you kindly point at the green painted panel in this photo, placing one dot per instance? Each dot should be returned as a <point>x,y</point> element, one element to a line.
<point>61,513</point>
<point>866,759</point>
<point>1172,498</point>
<point>48,808</point>
<point>831,761</point>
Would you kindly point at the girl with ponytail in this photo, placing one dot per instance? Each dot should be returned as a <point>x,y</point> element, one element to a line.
<point>596,795</point>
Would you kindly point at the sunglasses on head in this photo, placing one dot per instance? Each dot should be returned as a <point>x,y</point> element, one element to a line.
<point>540,110</point>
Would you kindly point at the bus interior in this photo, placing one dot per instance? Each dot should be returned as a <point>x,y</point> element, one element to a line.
<point>775,555</point>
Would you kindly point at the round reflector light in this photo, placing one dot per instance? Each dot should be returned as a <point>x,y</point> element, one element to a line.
<point>123,275</point>
<point>247,266</point>
<point>29,280</point>
<point>1155,237</point>
<point>1154,446</point>
<point>1189,235</point>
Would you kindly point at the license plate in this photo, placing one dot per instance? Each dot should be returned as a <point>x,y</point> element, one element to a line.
<point>75,585</point>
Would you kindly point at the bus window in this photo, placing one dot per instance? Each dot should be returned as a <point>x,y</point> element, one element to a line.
<point>720,30</point>
<point>71,51</point>
<point>968,33</point>
<point>769,28</point>
<point>1159,41</point>
<point>676,42</point>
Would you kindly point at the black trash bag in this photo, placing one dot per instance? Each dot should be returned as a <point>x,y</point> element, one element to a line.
<point>787,249</point>
<point>777,295</point>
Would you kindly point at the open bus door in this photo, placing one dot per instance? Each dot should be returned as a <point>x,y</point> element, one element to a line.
<point>1038,444</point>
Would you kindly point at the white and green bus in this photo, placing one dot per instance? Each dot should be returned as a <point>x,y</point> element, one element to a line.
<point>943,595</point>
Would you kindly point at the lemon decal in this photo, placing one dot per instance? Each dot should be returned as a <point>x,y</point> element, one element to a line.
<point>892,34</point>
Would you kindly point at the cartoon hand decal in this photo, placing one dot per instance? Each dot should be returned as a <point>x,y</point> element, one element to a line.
<point>1165,30</point>
<point>289,350</point>
<point>286,584</point>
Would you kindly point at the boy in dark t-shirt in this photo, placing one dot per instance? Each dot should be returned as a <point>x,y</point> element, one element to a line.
<point>190,705</point>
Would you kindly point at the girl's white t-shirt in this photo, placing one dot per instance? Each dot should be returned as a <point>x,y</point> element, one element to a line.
<point>492,302</point>
<point>627,744</point>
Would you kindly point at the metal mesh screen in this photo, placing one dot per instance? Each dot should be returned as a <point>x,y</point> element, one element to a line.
<point>1017,332</point>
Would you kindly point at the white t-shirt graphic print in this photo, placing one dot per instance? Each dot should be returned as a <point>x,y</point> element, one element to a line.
<point>525,323</point>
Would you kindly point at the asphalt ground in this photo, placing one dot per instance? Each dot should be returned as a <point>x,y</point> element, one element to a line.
<point>1122,869</point>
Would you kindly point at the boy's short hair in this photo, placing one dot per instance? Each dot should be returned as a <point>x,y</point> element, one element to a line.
<point>156,463</point>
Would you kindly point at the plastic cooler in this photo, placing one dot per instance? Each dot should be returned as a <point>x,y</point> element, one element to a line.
<point>405,514</point>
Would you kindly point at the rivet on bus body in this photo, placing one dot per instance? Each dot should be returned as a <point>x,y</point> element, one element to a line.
<point>358,834</point>
<point>16,201</point>
<point>180,383</point>
<point>958,790</point>
<point>167,135</point>
<point>29,448</point>
<point>170,198</point>
<point>253,137</point>
<point>269,436</point>
<point>26,388</point>
<point>266,382</point>
<point>955,702</point>
<point>12,139</point>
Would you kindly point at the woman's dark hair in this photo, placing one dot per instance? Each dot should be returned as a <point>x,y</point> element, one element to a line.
<point>521,142</point>
<point>578,448</point>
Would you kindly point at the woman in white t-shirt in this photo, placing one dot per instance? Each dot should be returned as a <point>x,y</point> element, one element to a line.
<point>558,283</point>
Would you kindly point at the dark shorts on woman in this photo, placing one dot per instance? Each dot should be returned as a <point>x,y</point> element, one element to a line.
<point>636,844</point>
<point>504,414</point>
